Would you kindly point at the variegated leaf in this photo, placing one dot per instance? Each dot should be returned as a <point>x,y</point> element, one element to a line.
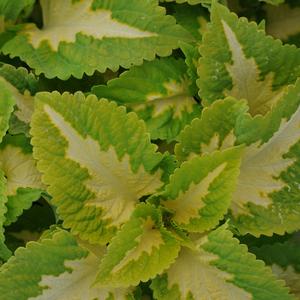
<point>239,60</point>
<point>83,36</point>
<point>200,191</point>
<point>142,249</point>
<point>97,160</point>
<point>159,92</point>
<point>215,130</point>
<point>219,268</point>
<point>23,181</point>
<point>56,268</point>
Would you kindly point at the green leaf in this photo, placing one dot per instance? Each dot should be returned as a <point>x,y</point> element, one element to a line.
<point>12,9</point>
<point>215,130</point>
<point>192,18</point>
<point>83,36</point>
<point>142,249</point>
<point>200,191</point>
<point>191,2</point>
<point>20,85</point>
<point>57,267</point>
<point>7,102</point>
<point>97,160</point>
<point>239,60</point>
<point>287,266</point>
<point>218,268</point>
<point>23,181</point>
<point>159,93</point>
<point>3,201</point>
<point>266,199</point>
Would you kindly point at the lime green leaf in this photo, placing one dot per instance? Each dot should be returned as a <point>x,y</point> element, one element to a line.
<point>83,36</point>
<point>159,92</point>
<point>199,192</point>
<point>142,249</point>
<point>191,2</point>
<point>97,159</point>
<point>214,130</point>
<point>23,181</point>
<point>21,85</point>
<point>12,9</point>
<point>7,103</point>
<point>57,267</point>
<point>273,2</point>
<point>284,258</point>
<point>3,201</point>
<point>239,60</point>
<point>219,268</point>
<point>267,194</point>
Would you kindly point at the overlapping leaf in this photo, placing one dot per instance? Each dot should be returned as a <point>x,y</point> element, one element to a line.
<point>199,192</point>
<point>20,86</point>
<point>57,267</point>
<point>159,91</point>
<point>97,159</point>
<point>284,258</point>
<point>239,60</point>
<point>218,268</point>
<point>83,36</point>
<point>142,249</point>
<point>12,9</point>
<point>23,181</point>
<point>214,130</point>
<point>267,198</point>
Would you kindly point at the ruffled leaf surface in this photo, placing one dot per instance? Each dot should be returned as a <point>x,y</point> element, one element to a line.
<point>142,249</point>
<point>97,160</point>
<point>83,36</point>
<point>218,268</point>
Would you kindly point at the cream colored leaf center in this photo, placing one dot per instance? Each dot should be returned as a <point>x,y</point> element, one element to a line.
<point>64,19</point>
<point>25,103</point>
<point>19,169</point>
<point>76,284</point>
<point>187,205</point>
<point>115,187</point>
<point>195,276</point>
<point>246,81</point>
<point>262,165</point>
<point>147,242</point>
<point>215,143</point>
<point>177,98</point>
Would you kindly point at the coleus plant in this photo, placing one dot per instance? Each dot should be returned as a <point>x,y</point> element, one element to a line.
<point>166,174</point>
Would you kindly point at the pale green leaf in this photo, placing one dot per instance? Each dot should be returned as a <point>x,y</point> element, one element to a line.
<point>200,191</point>
<point>12,9</point>
<point>83,36</point>
<point>239,60</point>
<point>97,160</point>
<point>266,200</point>
<point>21,85</point>
<point>55,268</point>
<point>7,103</point>
<point>159,92</point>
<point>219,268</point>
<point>3,201</point>
<point>213,131</point>
<point>23,181</point>
<point>142,249</point>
